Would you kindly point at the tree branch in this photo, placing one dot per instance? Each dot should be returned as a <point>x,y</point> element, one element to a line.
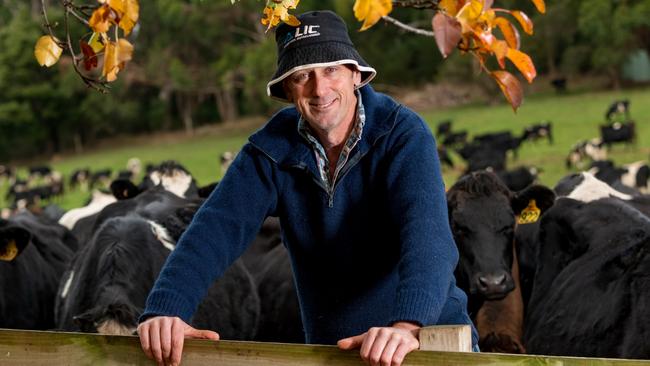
<point>416,4</point>
<point>407,27</point>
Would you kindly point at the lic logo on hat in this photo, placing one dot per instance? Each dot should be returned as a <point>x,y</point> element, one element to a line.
<point>306,31</point>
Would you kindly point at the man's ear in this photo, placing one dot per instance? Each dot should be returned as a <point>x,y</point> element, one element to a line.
<point>356,77</point>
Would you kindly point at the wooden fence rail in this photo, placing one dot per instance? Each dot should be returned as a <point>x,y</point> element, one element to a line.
<point>32,348</point>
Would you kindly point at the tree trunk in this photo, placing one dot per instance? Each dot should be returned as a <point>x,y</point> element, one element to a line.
<point>226,104</point>
<point>186,103</point>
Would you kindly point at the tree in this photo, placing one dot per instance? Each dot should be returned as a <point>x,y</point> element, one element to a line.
<point>463,24</point>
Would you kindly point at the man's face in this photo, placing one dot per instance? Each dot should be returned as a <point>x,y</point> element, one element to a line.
<point>324,96</point>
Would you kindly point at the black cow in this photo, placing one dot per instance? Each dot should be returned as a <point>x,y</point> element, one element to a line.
<point>269,264</point>
<point>483,214</point>
<point>443,128</point>
<point>444,157</point>
<point>633,176</point>
<point>518,178</point>
<point>559,84</point>
<point>170,174</point>
<point>592,285</point>
<point>105,287</point>
<point>455,138</point>
<point>33,256</point>
<point>618,109</point>
<point>502,141</point>
<point>39,171</point>
<point>618,132</point>
<point>480,157</point>
<point>538,131</point>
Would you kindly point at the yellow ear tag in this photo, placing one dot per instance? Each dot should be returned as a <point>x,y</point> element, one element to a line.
<point>10,252</point>
<point>529,214</point>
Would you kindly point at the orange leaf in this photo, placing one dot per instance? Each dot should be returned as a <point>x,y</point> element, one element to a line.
<point>510,87</point>
<point>523,63</point>
<point>90,57</point>
<point>449,6</point>
<point>510,33</point>
<point>101,19</point>
<point>124,51</point>
<point>447,33</point>
<point>47,51</point>
<point>500,49</point>
<point>370,11</point>
<point>540,5</point>
<point>110,68</point>
<point>522,18</point>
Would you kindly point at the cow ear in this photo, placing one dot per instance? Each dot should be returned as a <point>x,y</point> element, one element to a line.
<point>13,242</point>
<point>124,189</point>
<point>522,201</point>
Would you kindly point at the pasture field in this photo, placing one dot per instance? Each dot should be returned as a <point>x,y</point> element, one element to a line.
<point>574,117</point>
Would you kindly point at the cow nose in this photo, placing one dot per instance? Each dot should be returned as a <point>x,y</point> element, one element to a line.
<point>493,285</point>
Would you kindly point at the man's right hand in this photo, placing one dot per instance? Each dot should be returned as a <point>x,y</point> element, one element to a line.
<point>162,338</point>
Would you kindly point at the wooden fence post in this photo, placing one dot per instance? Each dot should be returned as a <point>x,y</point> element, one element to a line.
<point>449,338</point>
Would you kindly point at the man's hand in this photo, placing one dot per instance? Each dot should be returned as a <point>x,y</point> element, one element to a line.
<point>386,346</point>
<point>162,338</point>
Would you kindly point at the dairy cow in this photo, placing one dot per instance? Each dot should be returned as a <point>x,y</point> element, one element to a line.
<point>483,214</point>
<point>591,289</point>
<point>33,256</point>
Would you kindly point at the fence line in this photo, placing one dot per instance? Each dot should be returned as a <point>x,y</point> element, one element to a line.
<point>33,348</point>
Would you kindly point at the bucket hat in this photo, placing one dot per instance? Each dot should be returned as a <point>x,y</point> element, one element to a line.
<point>320,40</point>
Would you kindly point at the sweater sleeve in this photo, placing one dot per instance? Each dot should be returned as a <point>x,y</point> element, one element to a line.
<point>218,234</point>
<point>428,254</point>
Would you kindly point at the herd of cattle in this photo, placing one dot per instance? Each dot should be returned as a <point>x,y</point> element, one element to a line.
<point>561,271</point>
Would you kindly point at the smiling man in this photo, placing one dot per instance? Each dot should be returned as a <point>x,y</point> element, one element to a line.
<point>354,178</point>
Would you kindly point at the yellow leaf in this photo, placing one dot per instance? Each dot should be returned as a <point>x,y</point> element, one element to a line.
<point>130,16</point>
<point>124,52</point>
<point>523,63</point>
<point>278,10</point>
<point>540,5</point>
<point>370,11</point>
<point>510,33</point>
<point>469,15</point>
<point>47,51</point>
<point>95,43</point>
<point>111,68</point>
<point>522,18</point>
<point>449,6</point>
<point>118,5</point>
<point>100,20</point>
<point>510,87</point>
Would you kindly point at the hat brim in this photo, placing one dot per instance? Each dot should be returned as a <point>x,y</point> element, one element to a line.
<point>317,55</point>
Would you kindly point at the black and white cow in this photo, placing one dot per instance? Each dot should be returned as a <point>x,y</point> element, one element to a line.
<point>33,256</point>
<point>591,289</point>
<point>619,109</point>
<point>634,175</point>
<point>582,151</point>
<point>538,131</point>
<point>105,288</point>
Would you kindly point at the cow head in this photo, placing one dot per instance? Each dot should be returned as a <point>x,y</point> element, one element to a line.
<point>13,241</point>
<point>115,318</point>
<point>483,214</point>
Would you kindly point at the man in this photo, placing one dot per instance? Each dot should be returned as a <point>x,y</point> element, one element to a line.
<point>355,180</point>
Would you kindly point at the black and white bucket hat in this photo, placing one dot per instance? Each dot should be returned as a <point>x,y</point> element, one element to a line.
<point>320,40</point>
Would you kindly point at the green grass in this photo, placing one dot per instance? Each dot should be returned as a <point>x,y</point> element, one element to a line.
<point>574,117</point>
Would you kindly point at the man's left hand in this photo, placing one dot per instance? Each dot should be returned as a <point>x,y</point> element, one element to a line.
<point>384,346</point>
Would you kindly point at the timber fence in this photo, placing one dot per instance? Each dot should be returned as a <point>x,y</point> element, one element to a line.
<point>32,348</point>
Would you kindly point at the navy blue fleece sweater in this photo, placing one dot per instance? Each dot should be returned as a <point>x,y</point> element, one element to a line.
<point>379,250</point>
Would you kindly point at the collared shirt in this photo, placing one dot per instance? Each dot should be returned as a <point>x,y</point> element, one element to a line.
<point>319,151</point>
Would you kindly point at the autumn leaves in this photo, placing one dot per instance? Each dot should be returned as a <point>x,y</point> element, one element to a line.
<point>116,50</point>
